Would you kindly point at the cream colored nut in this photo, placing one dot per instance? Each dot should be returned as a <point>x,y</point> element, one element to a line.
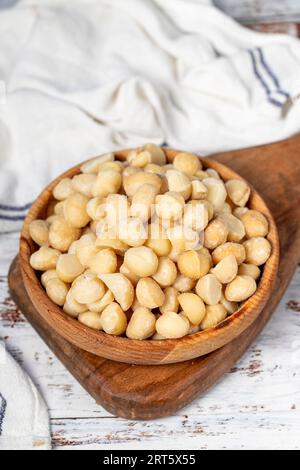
<point>183,238</point>
<point>59,208</point>
<point>226,270</point>
<point>149,294</point>
<point>56,291</point>
<point>121,288</point>
<point>39,232</point>
<point>132,232</point>
<point>45,258</point>
<point>135,305</point>
<point>171,325</point>
<point>225,209</point>
<point>166,272</point>
<point>158,337</point>
<point>95,208</point>
<point>93,165</point>
<point>212,173</point>
<point>91,319</point>
<point>107,182</point>
<point>194,264</point>
<point>230,307</point>
<point>229,248</point>
<point>75,210</point>
<point>187,163</point>
<point>105,261</point>
<point>158,156</point>
<point>134,181</point>
<point>142,204</point>
<point>214,315</point>
<point>141,324</point>
<point>199,190</point>
<point>258,250</point>
<point>236,230</point>
<point>83,183</point>
<point>240,289</point>
<point>63,189</point>
<point>141,261</point>
<point>209,289</point>
<point>208,206</point>
<point>115,165</point>
<point>139,159</point>
<point>215,234</point>
<point>51,218</point>
<point>114,320</point>
<point>201,175</point>
<point>157,240</point>
<point>116,209</point>
<point>86,253</point>
<point>169,205</point>
<point>62,234</point>
<point>216,192</point>
<point>193,307</point>
<point>133,278</point>
<point>239,211</point>
<point>184,283</point>
<point>68,267</point>
<point>255,223</point>
<point>100,305</point>
<point>107,238</point>
<point>72,307</point>
<point>47,275</point>
<point>87,288</point>
<point>180,183</point>
<point>247,269</point>
<point>154,168</point>
<point>238,191</point>
<point>196,215</point>
<point>171,303</point>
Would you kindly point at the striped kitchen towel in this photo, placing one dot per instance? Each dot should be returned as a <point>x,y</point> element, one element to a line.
<point>81,77</point>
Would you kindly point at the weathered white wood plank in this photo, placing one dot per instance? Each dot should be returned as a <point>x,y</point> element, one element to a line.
<point>256,405</point>
<point>250,11</point>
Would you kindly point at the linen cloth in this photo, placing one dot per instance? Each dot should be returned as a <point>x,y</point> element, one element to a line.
<point>82,77</point>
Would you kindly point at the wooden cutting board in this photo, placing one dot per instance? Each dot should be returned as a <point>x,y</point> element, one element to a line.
<point>147,392</point>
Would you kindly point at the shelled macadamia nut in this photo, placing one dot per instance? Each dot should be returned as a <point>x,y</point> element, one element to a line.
<point>194,264</point>
<point>57,291</point>
<point>141,324</point>
<point>255,223</point>
<point>44,258</point>
<point>247,269</point>
<point>172,325</point>
<point>238,191</point>
<point>157,240</point>
<point>121,288</point>
<point>68,267</point>
<point>87,288</point>
<point>141,260</point>
<point>72,307</point>
<point>187,163</point>
<point>229,248</point>
<point>214,315</point>
<point>215,234</point>
<point>216,192</point>
<point>209,289</point>
<point>100,305</point>
<point>183,283</point>
<point>226,270</point>
<point>93,165</point>
<point>83,183</point>
<point>179,183</point>
<point>113,319</point>
<point>63,189</point>
<point>75,210</point>
<point>105,261</point>
<point>62,234</point>
<point>235,227</point>
<point>107,182</point>
<point>240,289</point>
<point>39,232</point>
<point>193,307</point>
<point>166,272</point>
<point>91,319</point>
<point>47,275</point>
<point>149,293</point>
<point>258,250</point>
<point>169,206</point>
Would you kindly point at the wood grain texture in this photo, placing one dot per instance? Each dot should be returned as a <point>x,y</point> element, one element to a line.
<point>146,352</point>
<point>249,11</point>
<point>151,391</point>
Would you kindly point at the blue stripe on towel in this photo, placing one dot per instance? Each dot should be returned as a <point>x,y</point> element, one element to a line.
<point>271,73</point>
<point>262,81</point>
<point>3,405</point>
<point>5,207</point>
<point>13,218</point>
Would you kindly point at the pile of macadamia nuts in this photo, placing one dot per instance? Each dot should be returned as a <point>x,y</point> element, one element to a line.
<point>150,249</point>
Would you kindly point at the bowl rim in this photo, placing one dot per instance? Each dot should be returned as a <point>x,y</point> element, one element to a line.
<point>149,351</point>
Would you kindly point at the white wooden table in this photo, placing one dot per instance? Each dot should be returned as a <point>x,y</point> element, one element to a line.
<point>256,405</point>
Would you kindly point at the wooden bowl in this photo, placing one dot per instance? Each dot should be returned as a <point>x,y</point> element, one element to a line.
<point>149,351</point>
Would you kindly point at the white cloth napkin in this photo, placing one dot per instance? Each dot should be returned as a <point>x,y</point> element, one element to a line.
<point>86,76</point>
<point>82,77</point>
<point>24,422</point>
